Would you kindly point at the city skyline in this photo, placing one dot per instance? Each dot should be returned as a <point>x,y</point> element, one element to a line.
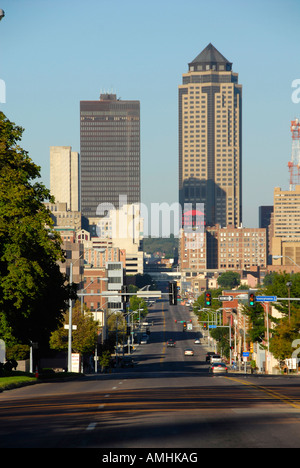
<point>210,137</point>
<point>109,153</point>
<point>48,69</point>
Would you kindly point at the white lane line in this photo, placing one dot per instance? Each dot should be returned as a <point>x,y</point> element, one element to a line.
<point>91,426</point>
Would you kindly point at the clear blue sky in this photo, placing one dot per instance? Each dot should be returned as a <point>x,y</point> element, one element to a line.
<point>55,53</point>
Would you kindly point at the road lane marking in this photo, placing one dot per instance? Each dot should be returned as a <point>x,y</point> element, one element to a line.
<point>91,426</point>
<point>275,395</point>
<point>164,335</point>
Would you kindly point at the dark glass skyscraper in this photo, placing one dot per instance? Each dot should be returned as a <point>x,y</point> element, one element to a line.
<point>109,152</point>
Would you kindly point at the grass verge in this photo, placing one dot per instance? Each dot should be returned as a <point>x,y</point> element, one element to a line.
<point>15,381</point>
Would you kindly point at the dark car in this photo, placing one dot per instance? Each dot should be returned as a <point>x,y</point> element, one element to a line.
<point>127,362</point>
<point>208,356</point>
<point>171,343</point>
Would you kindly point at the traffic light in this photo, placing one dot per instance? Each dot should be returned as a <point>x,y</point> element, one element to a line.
<point>125,297</point>
<point>205,326</point>
<point>251,299</point>
<point>208,299</point>
<point>173,293</point>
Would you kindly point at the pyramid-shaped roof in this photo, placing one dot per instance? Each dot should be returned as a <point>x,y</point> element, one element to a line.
<point>210,55</point>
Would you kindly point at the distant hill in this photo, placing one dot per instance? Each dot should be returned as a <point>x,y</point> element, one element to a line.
<point>168,246</point>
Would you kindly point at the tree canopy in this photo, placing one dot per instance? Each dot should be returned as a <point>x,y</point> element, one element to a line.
<point>33,291</point>
<point>286,329</point>
<point>84,338</point>
<point>229,280</point>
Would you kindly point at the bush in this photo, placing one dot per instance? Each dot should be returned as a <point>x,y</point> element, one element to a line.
<point>8,366</point>
<point>18,352</point>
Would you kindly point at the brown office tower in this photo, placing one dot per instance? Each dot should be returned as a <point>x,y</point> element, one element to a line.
<point>210,138</point>
<point>109,153</point>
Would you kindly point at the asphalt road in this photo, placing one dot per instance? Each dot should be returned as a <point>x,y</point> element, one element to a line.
<point>167,401</point>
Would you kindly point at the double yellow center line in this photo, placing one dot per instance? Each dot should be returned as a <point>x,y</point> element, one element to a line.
<point>277,396</point>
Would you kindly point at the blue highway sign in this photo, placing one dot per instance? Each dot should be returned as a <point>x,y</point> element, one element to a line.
<point>266,298</point>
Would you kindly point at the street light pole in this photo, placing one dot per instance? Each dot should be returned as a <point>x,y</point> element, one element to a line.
<point>70,324</point>
<point>70,318</point>
<point>289,284</point>
<point>277,257</point>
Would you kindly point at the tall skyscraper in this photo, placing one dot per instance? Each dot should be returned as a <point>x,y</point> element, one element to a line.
<point>109,152</point>
<point>64,176</point>
<point>210,138</point>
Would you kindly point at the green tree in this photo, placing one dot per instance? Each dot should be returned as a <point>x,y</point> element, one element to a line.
<point>285,333</point>
<point>278,287</point>
<point>221,335</point>
<point>229,280</point>
<point>137,303</point>
<point>256,316</point>
<point>284,330</point>
<point>84,338</point>
<point>33,291</point>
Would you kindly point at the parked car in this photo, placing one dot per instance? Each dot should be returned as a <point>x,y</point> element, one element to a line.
<point>188,352</point>
<point>127,362</point>
<point>219,368</point>
<point>144,339</point>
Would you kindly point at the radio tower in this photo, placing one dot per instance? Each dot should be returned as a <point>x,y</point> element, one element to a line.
<point>294,164</point>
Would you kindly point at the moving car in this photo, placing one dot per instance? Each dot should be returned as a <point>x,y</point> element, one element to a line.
<point>219,368</point>
<point>208,356</point>
<point>215,358</point>
<point>171,343</point>
<point>197,341</point>
<point>188,352</point>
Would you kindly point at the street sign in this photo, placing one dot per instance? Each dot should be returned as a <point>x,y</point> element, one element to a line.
<point>146,294</point>
<point>266,298</point>
<point>246,354</point>
<point>225,298</point>
<point>74,327</point>
<point>212,326</point>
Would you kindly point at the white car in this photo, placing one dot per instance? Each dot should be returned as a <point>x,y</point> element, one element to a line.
<point>188,352</point>
<point>215,358</point>
<point>219,368</point>
<point>197,341</point>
